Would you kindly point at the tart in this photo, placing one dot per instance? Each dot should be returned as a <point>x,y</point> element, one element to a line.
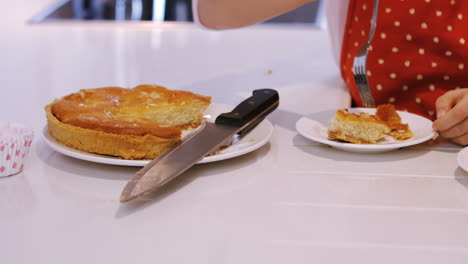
<point>137,123</point>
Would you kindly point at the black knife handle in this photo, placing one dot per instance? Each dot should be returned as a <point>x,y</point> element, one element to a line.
<point>260,104</point>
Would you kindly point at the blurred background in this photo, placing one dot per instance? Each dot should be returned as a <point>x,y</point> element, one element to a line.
<point>155,10</point>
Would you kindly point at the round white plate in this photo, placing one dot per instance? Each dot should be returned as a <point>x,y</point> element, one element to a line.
<point>315,127</point>
<point>258,137</point>
<point>462,158</point>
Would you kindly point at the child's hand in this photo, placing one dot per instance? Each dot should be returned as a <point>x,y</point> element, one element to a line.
<point>452,116</point>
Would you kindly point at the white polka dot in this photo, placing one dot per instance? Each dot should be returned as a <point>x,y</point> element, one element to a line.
<point>383,35</point>
<point>388,10</point>
<point>364,7</point>
<point>421,51</point>
<point>369,73</point>
<point>460,16</point>
<point>438,13</point>
<point>381,61</point>
<point>405,88</point>
<point>461,66</point>
<point>395,49</point>
<point>371,47</point>
<point>348,55</point>
<point>379,87</point>
<point>449,28</point>
<point>350,31</point>
<point>452,2</point>
<point>431,87</point>
<point>448,53</point>
<point>428,1</point>
<point>446,77</point>
<point>408,37</point>
<point>407,63</point>
<point>356,18</point>
<point>356,44</point>
<point>397,23</point>
<point>363,33</point>
<point>393,75</point>
<point>391,99</point>
<point>436,40</point>
<point>462,41</point>
<point>423,25</point>
<point>412,11</point>
<point>419,77</point>
<point>418,100</point>
<point>434,64</point>
<point>430,112</point>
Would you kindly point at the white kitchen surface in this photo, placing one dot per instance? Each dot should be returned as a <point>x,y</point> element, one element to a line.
<point>291,201</point>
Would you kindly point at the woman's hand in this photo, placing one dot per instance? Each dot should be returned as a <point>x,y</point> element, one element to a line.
<point>452,116</point>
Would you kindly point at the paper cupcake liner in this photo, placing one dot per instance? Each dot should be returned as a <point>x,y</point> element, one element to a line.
<point>15,141</point>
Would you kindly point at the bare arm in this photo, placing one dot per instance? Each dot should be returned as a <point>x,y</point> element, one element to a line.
<point>225,14</point>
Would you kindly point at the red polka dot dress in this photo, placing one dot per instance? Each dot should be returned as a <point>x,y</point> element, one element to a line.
<point>418,52</point>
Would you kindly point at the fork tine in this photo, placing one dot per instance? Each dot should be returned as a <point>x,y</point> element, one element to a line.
<point>362,85</point>
<point>359,64</point>
<point>362,77</point>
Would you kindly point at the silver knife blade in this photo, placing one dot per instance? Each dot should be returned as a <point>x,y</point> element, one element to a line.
<point>170,166</point>
<point>178,159</point>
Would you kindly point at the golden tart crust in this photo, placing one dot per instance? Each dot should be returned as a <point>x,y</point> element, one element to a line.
<point>138,123</point>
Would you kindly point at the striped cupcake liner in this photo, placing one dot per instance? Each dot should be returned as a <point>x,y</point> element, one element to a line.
<point>15,141</point>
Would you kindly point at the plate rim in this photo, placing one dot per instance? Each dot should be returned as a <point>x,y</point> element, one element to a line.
<point>98,158</point>
<point>366,147</point>
<point>463,164</point>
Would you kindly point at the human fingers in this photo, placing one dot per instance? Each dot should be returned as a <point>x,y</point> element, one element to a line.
<point>456,131</point>
<point>445,102</point>
<point>457,105</point>
<point>461,140</point>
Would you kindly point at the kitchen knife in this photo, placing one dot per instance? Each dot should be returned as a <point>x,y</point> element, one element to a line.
<point>178,159</point>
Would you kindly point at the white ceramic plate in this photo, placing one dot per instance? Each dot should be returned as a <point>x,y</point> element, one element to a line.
<point>462,159</point>
<point>315,127</point>
<point>252,141</point>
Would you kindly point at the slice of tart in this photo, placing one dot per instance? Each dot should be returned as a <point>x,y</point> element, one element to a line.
<point>364,128</point>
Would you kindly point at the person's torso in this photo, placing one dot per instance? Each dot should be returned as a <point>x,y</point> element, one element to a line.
<point>418,50</point>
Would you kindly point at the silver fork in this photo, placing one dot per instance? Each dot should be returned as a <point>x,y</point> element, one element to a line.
<point>359,64</point>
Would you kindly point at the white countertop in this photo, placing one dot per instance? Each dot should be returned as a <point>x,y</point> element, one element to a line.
<point>291,201</point>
